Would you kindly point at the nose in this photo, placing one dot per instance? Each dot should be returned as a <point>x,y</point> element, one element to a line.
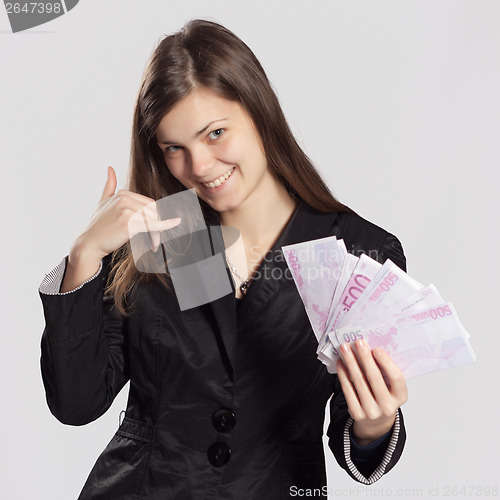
<point>201,161</point>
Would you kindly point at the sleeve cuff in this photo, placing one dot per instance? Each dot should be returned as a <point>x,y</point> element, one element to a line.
<point>350,448</point>
<point>51,284</point>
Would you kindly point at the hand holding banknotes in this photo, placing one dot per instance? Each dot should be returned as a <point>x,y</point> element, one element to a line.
<point>374,388</point>
<point>348,298</point>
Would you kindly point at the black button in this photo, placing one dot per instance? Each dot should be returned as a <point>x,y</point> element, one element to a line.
<point>218,454</point>
<point>223,420</point>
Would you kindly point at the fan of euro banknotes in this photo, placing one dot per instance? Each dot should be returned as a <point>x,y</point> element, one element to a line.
<point>348,298</point>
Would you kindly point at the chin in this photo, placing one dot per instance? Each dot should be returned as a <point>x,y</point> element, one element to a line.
<point>222,206</point>
<point>219,202</point>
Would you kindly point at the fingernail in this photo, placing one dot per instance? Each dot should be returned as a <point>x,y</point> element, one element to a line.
<point>360,344</point>
<point>345,348</point>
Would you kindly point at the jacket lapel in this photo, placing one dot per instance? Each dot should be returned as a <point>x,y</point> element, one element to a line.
<point>304,225</point>
<point>224,310</point>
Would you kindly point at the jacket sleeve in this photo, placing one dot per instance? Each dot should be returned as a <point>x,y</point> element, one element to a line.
<point>341,422</point>
<point>340,441</point>
<point>83,347</point>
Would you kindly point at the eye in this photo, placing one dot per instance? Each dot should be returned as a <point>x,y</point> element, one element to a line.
<point>215,134</point>
<point>172,149</point>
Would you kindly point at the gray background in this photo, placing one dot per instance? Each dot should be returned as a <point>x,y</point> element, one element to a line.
<point>397,102</point>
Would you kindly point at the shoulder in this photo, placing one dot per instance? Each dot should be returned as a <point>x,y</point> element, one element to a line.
<point>355,230</point>
<point>363,236</point>
<point>359,234</point>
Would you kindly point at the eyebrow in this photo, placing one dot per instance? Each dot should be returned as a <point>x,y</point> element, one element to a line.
<point>197,134</point>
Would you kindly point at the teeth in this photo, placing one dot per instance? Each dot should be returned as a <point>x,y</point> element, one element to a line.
<point>221,180</point>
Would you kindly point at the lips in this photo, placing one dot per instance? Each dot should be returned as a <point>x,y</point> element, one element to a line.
<point>220,180</point>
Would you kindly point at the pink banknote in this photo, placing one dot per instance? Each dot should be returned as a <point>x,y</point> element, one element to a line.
<point>347,297</point>
<point>366,269</point>
<point>350,263</point>
<point>316,267</point>
<point>418,342</point>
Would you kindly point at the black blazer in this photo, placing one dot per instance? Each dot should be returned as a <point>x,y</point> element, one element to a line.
<point>222,404</point>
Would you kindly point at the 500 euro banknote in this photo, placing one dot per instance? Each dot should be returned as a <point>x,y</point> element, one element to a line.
<point>376,291</point>
<point>419,342</point>
<point>316,269</point>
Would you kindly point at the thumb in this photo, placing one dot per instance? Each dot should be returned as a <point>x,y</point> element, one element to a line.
<point>110,186</point>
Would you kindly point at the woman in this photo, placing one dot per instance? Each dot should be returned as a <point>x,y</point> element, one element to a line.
<point>226,400</point>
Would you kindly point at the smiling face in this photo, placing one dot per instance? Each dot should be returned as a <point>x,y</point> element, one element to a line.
<point>211,144</point>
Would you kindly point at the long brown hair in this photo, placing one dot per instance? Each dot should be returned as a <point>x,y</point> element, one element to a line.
<point>205,54</point>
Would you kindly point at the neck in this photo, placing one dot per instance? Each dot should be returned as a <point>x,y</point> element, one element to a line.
<point>261,221</point>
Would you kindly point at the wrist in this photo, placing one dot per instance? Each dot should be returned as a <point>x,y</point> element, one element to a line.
<point>365,432</point>
<point>81,266</point>
<point>82,252</point>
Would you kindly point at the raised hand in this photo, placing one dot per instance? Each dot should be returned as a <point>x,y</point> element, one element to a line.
<point>374,388</point>
<point>117,217</point>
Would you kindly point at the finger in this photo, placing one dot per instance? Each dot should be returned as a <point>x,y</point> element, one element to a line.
<point>135,207</point>
<point>162,226</point>
<point>150,234</point>
<point>136,226</point>
<point>147,213</point>
<point>371,371</point>
<point>395,378</point>
<point>143,213</point>
<point>155,240</point>
<point>110,186</point>
<point>140,198</point>
<point>355,409</point>
<point>357,376</point>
